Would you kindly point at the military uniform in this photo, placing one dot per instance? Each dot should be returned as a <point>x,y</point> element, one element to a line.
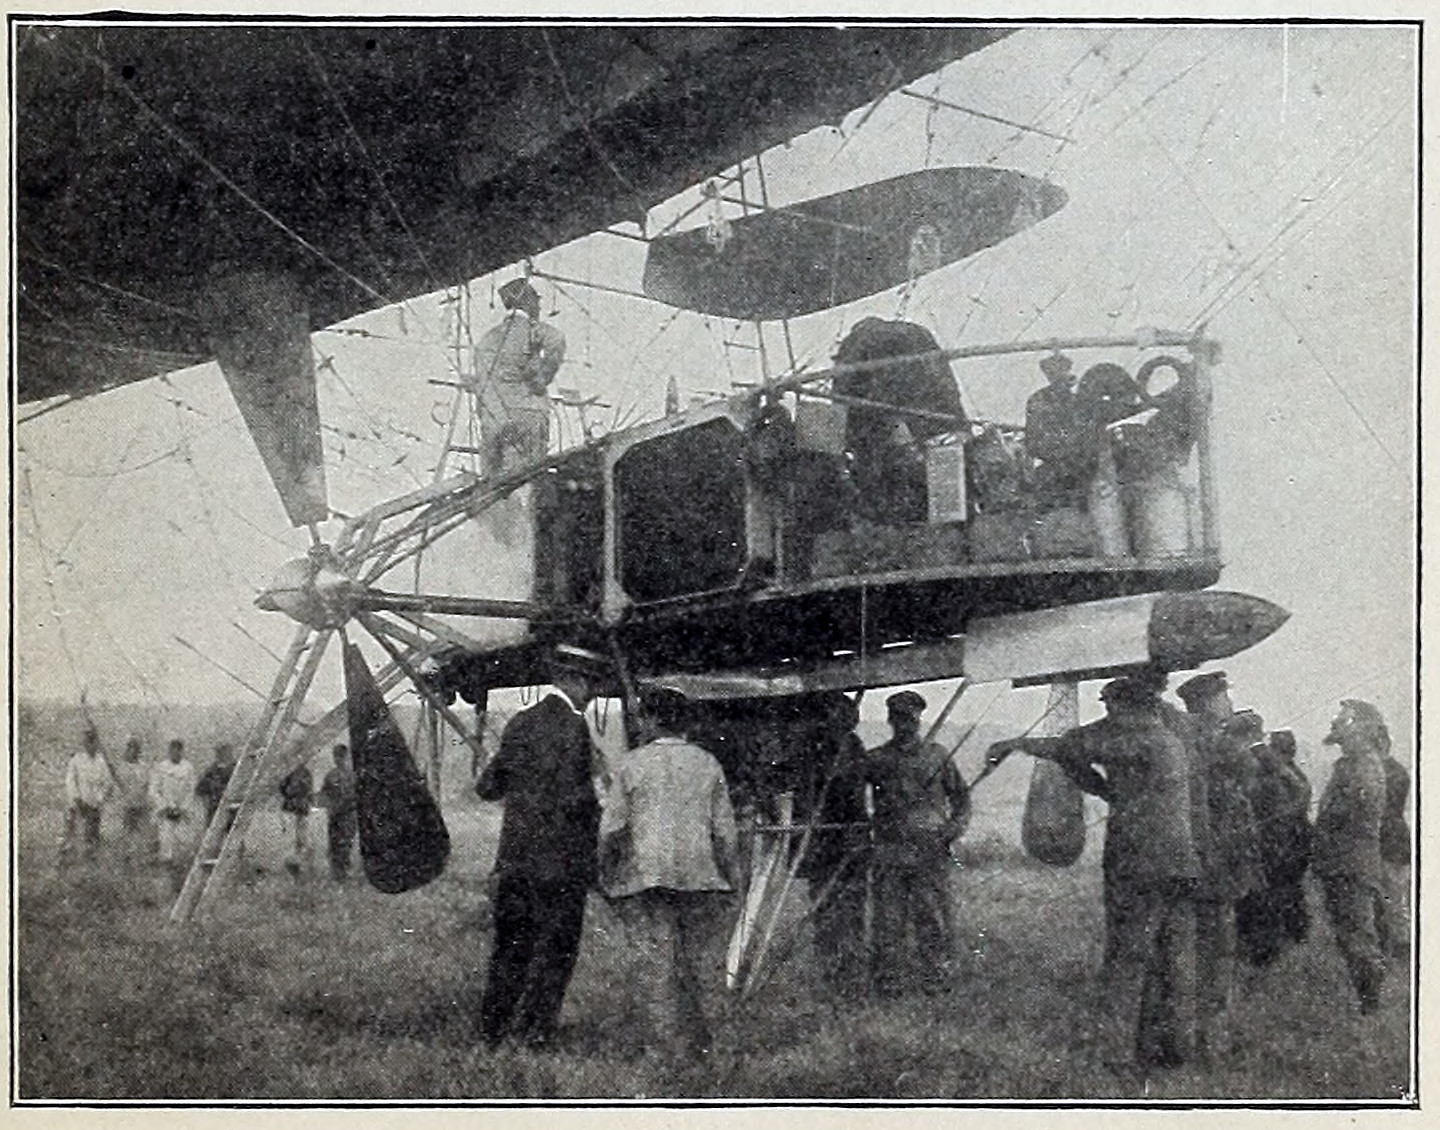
<point>920,801</point>
<point>1150,868</point>
<point>1348,864</point>
<point>1226,839</point>
<point>1268,918</point>
<point>544,867</point>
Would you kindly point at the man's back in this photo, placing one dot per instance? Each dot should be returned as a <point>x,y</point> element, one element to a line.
<point>542,772</point>
<point>672,799</point>
<point>1147,773</point>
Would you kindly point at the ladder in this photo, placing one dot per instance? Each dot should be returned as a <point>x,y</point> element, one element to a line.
<point>272,751</point>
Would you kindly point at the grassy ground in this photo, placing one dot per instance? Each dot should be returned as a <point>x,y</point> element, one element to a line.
<point>315,990</point>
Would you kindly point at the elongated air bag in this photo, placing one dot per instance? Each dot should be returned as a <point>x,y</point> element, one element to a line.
<point>1053,830</point>
<point>403,841</point>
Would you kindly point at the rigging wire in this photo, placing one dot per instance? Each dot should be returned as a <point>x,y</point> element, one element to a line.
<point>1141,116</point>
<point>46,557</point>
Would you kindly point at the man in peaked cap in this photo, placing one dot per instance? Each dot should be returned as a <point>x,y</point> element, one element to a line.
<point>1058,435</point>
<point>546,862</point>
<point>1134,762</point>
<point>1223,778</point>
<point>514,365</point>
<point>921,804</point>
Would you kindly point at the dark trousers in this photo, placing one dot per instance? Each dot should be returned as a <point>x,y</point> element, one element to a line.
<point>537,938</point>
<point>1355,913</point>
<point>1147,1006</point>
<point>912,896</point>
<point>341,835</point>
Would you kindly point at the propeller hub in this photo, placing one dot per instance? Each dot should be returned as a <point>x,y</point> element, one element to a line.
<point>311,590</point>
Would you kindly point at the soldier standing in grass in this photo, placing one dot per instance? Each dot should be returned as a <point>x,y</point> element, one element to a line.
<point>921,804</point>
<point>1394,855</point>
<point>172,795</point>
<point>337,795</point>
<point>1347,844</point>
<point>1134,762</point>
<point>668,860</point>
<point>838,856</point>
<point>546,862</point>
<point>297,796</point>
<point>88,785</point>
<point>211,786</point>
<point>133,778</point>
<point>1229,847</point>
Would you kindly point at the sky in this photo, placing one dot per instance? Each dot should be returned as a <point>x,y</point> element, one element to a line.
<point>1258,179</point>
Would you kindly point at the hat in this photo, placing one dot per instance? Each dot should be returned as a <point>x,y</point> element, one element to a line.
<point>519,292</point>
<point>1127,689</point>
<point>1246,724</point>
<point>1056,364</point>
<point>572,657</point>
<point>668,706</point>
<point>1200,687</point>
<point>906,702</point>
<point>1368,717</point>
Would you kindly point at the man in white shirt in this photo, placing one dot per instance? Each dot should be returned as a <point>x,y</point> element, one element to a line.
<point>514,365</point>
<point>172,794</point>
<point>88,785</point>
<point>668,857</point>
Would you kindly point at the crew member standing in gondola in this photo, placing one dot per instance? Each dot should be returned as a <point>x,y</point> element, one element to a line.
<point>514,365</point>
<point>547,859</point>
<point>1061,436</point>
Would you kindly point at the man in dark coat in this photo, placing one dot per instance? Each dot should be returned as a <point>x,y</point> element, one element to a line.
<point>211,786</point>
<point>1134,762</point>
<point>1347,845</point>
<point>1228,846</point>
<point>547,859</point>
<point>921,804</point>
<point>1269,918</point>
<point>1395,855</point>
<point>1061,436</point>
<point>837,859</point>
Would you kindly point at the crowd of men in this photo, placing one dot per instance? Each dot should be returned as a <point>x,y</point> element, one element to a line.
<point>165,806</point>
<point>1207,840</point>
<point>1208,837</point>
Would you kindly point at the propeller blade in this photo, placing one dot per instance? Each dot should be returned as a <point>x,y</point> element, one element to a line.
<point>403,841</point>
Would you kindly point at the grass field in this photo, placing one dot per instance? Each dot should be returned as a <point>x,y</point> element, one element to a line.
<point>313,990</point>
